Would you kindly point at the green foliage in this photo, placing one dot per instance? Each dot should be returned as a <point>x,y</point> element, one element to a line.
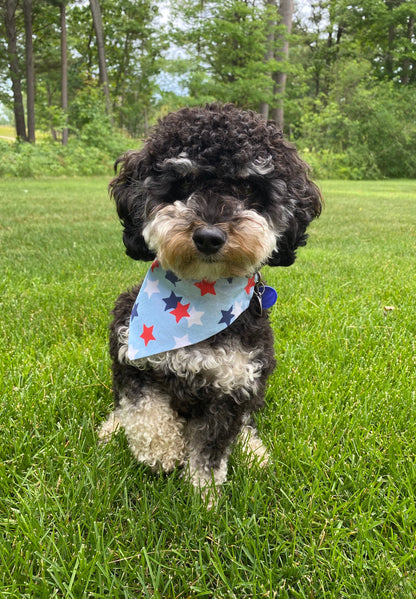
<point>50,158</point>
<point>92,149</point>
<point>354,117</point>
<point>350,95</point>
<point>88,118</point>
<point>332,516</point>
<point>384,31</point>
<point>226,45</point>
<point>367,133</point>
<point>134,46</point>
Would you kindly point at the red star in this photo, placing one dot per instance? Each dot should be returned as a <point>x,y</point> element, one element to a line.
<point>206,287</point>
<point>155,264</point>
<point>250,284</point>
<point>181,311</point>
<point>147,334</point>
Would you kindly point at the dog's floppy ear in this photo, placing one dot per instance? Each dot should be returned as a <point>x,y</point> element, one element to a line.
<point>127,189</point>
<point>306,204</point>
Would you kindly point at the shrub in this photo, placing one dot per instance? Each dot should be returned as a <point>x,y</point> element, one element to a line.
<point>327,164</point>
<point>20,159</point>
<point>362,129</point>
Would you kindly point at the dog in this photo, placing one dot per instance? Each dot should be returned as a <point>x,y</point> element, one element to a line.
<point>215,194</point>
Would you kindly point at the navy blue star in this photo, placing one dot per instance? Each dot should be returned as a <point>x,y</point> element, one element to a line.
<point>227,316</point>
<point>171,301</point>
<point>170,276</point>
<point>134,312</point>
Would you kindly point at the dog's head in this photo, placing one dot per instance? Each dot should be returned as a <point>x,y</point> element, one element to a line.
<point>215,192</point>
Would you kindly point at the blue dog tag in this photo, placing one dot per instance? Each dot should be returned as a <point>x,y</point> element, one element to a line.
<point>268,297</point>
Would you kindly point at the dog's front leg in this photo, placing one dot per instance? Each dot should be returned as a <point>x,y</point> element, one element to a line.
<point>209,440</point>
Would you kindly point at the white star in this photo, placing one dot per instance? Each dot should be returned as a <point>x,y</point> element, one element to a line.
<point>151,287</point>
<point>181,341</point>
<point>194,317</point>
<point>238,308</point>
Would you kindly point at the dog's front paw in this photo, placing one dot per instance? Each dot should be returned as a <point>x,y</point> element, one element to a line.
<point>253,447</point>
<point>206,480</point>
<point>205,485</point>
<point>109,428</point>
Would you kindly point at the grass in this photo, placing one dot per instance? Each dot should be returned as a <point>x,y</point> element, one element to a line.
<point>333,516</point>
<point>7,132</point>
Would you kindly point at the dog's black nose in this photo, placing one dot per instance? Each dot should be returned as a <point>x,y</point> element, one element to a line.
<point>209,240</point>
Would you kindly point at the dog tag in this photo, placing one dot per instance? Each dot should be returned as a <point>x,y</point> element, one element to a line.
<point>268,297</point>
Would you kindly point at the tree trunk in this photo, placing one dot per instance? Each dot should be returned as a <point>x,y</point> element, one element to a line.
<point>30,71</point>
<point>50,104</point>
<point>64,73</point>
<point>406,61</point>
<point>19,112</point>
<point>279,77</point>
<point>389,54</point>
<point>102,65</point>
<point>120,77</point>
<point>271,26</point>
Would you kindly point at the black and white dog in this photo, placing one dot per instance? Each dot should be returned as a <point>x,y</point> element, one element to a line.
<point>215,194</point>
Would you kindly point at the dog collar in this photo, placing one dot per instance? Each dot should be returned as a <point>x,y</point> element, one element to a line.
<point>170,313</point>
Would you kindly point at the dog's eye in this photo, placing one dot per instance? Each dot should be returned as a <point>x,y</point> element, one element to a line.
<point>257,197</point>
<point>248,189</point>
<point>180,190</point>
<point>248,192</point>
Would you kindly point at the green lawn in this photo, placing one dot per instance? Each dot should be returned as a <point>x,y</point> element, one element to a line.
<point>333,516</point>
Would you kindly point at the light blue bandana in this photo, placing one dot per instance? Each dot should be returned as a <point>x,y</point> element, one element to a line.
<point>170,313</point>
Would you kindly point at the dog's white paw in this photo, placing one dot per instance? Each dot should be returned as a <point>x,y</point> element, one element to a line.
<point>253,447</point>
<point>109,428</point>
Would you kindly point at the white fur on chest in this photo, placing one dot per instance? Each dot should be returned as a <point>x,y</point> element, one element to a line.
<point>228,368</point>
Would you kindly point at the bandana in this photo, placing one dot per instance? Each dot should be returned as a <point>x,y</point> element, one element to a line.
<point>170,313</point>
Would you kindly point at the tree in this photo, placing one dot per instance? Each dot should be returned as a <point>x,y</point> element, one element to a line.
<point>271,23</point>
<point>281,56</point>
<point>238,52</point>
<point>384,31</point>
<point>409,62</point>
<point>348,94</point>
<point>30,70</point>
<point>102,65</point>
<point>66,38</point>
<point>226,45</point>
<point>278,31</point>
<point>14,67</point>
<point>64,72</point>
<point>133,52</point>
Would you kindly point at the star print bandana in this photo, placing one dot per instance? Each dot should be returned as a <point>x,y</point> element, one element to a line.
<point>170,313</point>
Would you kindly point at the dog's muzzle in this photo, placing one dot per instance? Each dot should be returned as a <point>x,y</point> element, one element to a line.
<point>209,240</point>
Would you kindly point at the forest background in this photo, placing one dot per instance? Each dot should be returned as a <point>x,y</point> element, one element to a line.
<point>83,81</point>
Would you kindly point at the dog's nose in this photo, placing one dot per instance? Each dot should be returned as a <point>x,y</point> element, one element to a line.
<point>209,240</point>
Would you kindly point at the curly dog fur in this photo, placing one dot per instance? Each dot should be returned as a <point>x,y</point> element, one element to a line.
<point>215,192</point>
